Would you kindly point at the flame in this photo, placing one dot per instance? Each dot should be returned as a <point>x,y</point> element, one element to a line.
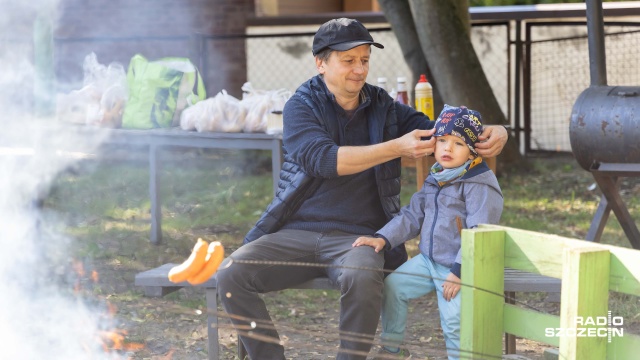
<point>78,267</point>
<point>111,308</point>
<point>115,340</point>
<point>112,340</point>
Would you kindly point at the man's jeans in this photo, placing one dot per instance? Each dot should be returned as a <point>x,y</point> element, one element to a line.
<point>415,278</point>
<point>239,286</point>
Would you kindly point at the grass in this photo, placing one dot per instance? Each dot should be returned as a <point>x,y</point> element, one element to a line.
<point>557,197</point>
<point>110,199</point>
<point>220,194</point>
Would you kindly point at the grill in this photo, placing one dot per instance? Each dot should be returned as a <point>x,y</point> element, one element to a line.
<point>605,132</point>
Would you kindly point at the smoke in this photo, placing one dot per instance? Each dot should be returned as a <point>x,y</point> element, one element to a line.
<point>40,317</point>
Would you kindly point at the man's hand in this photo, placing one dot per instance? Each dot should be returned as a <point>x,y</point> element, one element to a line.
<point>412,146</point>
<point>492,141</point>
<point>451,287</point>
<point>354,159</point>
<point>376,243</point>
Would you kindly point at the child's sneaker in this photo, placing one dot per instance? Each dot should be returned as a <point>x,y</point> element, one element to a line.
<point>386,354</point>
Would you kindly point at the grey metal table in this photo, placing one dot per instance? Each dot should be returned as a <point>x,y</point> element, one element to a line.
<point>155,139</point>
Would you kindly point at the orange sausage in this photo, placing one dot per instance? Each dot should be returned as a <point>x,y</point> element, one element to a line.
<point>192,265</point>
<point>215,255</point>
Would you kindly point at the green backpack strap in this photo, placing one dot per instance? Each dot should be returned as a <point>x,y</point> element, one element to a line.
<point>199,92</point>
<point>137,64</point>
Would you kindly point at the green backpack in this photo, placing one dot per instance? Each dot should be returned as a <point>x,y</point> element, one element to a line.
<point>159,91</point>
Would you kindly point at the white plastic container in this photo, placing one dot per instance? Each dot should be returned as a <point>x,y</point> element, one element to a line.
<point>382,83</point>
<point>274,122</point>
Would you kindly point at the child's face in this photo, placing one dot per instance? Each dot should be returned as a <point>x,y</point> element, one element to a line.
<point>451,151</point>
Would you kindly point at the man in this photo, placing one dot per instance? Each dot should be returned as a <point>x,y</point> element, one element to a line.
<point>343,140</point>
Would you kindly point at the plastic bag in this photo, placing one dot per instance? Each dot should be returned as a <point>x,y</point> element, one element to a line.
<point>222,113</point>
<point>159,91</point>
<point>261,103</point>
<point>101,100</point>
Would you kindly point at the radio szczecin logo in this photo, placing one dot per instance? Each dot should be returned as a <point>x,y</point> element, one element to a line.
<point>591,326</point>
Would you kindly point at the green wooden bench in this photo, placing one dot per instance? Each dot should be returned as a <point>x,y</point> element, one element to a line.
<point>157,284</point>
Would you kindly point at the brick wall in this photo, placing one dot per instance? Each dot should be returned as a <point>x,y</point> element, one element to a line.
<point>118,29</point>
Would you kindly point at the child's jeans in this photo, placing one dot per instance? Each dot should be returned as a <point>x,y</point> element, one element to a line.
<point>400,286</point>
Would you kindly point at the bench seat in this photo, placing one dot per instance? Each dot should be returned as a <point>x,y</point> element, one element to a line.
<point>156,284</point>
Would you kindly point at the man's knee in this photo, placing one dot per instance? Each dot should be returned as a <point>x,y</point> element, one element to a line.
<point>225,276</point>
<point>231,271</point>
<point>362,278</point>
<point>363,268</point>
<point>232,276</point>
<point>364,257</point>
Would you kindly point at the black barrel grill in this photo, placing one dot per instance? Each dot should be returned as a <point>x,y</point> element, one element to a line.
<point>605,133</point>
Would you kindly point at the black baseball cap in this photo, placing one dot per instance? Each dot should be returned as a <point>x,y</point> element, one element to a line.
<point>341,35</point>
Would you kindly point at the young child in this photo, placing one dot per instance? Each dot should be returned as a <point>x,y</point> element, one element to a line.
<point>459,193</point>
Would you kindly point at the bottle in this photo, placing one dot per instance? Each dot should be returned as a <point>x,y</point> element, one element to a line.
<point>403,96</point>
<point>424,97</point>
<point>382,83</point>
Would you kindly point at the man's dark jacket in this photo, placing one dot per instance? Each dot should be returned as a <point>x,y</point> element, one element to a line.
<point>387,120</point>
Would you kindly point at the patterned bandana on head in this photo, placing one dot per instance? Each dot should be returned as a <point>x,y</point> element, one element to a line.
<point>461,122</point>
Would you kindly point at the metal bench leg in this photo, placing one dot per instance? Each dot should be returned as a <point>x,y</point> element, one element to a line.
<point>154,194</point>
<point>510,339</point>
<point>242,352</point>
<point>212,323</point>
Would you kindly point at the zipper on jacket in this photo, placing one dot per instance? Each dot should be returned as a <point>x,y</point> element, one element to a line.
<point>433,224</point>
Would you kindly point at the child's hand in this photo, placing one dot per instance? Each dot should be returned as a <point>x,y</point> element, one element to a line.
<point>376,243</point>
<point>451,287</point>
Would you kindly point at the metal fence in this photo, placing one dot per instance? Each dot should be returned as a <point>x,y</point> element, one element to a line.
<point>557,71</point>
<point>284,60</point>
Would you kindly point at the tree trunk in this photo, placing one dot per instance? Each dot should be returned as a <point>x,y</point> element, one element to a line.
<point>398,14</point>
<point>462,11</point>
<point>453,61</point>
